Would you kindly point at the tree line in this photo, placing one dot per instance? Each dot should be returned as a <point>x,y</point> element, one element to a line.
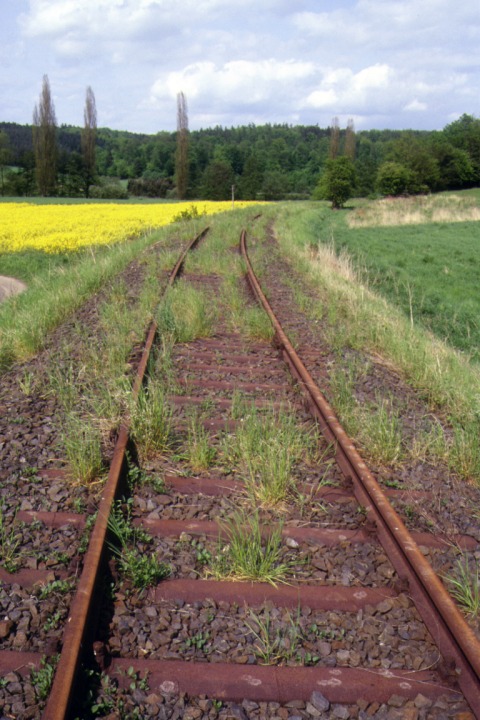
<point>270,162</point>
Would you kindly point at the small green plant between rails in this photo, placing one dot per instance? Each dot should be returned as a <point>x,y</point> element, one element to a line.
<point>42,678</point>
<point>128,545</point>
<point>251,551</point>
<point>287,638</point>
<point>197,449</point>
<point>267,444</point>
<point>10,541</point>
<point>105,697</point>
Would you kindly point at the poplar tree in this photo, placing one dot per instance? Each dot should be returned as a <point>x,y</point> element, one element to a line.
<point>44,141</point>
<point>181,157</point>
<point>350,140</point>
<point>89,135</point>
<point>334,139</point>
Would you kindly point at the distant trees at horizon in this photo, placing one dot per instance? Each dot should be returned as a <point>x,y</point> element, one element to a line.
<point>269,162</point>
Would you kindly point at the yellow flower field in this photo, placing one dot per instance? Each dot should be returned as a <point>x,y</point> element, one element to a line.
<point>64,228</point>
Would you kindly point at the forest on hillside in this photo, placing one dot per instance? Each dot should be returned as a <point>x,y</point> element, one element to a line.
<point>270,162</point>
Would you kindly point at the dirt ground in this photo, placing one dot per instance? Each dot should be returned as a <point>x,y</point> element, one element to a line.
<point>10,286</point>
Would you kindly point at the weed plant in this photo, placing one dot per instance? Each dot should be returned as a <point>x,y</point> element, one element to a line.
<point>464,585</point>
<point>267,444</point>
<point>83,449</point>
<point>275,645</point>
<point>185,314</point>
<point>42,678</point>
<point>250,554</point>
<point>197,449</point>
<point>250,320</point>
<point>151,420</point>
<point>140,568</point>
<point>10,543</point>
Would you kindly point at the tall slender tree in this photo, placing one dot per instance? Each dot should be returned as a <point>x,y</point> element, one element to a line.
<point>44,141</point>
<point>5,158</point>
<point>334,139</point>
<point>89,134</point>
<point>181,157</point>
<point>350,141</point>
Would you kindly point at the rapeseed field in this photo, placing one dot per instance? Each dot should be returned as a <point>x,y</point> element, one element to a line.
<point>66,228</point>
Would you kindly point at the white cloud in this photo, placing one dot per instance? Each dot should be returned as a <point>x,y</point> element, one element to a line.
<point>236,81</point>
<point>268,61</point>
<point>416,106</point>
<point>343,90</point>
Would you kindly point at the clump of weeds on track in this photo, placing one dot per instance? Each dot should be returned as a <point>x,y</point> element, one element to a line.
<point>197,448</point>
<point>128,545</point>
<point>248,553</point>
<point>267,444</point>
<point>245,317</point>
<point>82,442</point>
<point>42,678</point>
<point>185,314</point>
<point>10,543</point>
<point>151,417</point>
<point>464,585</point>
<point>276,644</point>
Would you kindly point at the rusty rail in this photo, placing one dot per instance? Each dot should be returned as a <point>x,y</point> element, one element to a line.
<point>81,620</point>
<point>455,639</point>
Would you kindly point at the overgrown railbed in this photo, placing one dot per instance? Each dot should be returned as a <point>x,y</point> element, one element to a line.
<point>204,444</point>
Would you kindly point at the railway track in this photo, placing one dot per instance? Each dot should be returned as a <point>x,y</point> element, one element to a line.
<point>348,620</point>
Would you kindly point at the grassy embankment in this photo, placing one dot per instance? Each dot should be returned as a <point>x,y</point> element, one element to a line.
<point>361,318</point>
<point>60,281</point>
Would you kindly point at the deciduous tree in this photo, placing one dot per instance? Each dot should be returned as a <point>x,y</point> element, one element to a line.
<point>44,141</point>
<point>338,181</point>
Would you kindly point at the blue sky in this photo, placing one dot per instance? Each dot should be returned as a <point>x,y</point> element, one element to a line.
<point>385,64</point>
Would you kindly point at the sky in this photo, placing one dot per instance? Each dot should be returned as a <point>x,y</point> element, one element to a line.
<point>382,63</point>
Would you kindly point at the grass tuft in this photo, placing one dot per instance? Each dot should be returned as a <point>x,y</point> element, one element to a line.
<point>249,554</point>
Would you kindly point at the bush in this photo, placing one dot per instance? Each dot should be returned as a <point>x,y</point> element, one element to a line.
<point>393,179</point>
<point>149,187</point>
<point>337,182</point>
<point>108,191</point>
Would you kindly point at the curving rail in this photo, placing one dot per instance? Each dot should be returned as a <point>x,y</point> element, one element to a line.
<point>455,639</point>
<point>81,620</point>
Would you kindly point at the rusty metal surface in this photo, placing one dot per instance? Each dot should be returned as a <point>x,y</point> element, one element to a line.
<point>279,684</point>
<point>52,519</point>
<point>27,578</point>
<point>205,485</point>
<point>18,661</point>
<point>83,608</point>
<point>323,536</point>
<point>240,385</point>
<point>323,597</point>
<point>454,637</point>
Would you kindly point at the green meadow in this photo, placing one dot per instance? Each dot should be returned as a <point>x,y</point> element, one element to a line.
<point>430,268</point>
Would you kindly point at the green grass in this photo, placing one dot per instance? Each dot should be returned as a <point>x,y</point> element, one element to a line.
<point>185,314</point>
<point>431,272</point>
<point>57,285</point>
<point>365,321</point>
<point>247,555</point>
<point>266,446</point>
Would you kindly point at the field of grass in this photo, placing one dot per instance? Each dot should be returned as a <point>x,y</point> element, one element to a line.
<point>423,255</point>
<point>355,317</point>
